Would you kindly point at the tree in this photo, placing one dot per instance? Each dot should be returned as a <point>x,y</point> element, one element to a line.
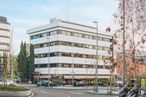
<point>131,29</point>
<point>31,66</point>
<point>5,72</point>
<point>26,62</point>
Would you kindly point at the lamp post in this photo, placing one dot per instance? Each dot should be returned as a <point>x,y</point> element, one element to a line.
<point>48,58</point>
<point>124,63</point>
<point>96,68</point>
<point>72,70</point>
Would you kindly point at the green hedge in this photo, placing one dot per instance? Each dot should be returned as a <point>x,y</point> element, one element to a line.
<point>12,88</point>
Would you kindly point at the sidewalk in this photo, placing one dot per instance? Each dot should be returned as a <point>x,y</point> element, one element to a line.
<point>104,92</point>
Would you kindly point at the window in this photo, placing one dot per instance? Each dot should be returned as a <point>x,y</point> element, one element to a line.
<point>48,33</point>
<point>79,35</point>
<point>66,43</point>
<point>99,47</point>
<point>66,65</point>
<point>100,38</point>
<point>41,45</point>
<point>45,45</point>
<point>90,37</point>
<point>68,33</point>
<point>54,54</point>
<point>43,65</point>
<point>53,33</point>
<point>53,65</point>
<point>106,39</point>
<point>78,65</point>
<point>100,66</point>
<point>54,43</point>
<point>75,34</point>
<point>66,54</point>
<point>37,56</point>
<point>63,32</point>
<point>86,36</point>
<point>106,48</point>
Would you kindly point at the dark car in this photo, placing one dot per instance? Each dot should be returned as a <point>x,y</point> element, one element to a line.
<point>52,84</point>
<point>42,83</point>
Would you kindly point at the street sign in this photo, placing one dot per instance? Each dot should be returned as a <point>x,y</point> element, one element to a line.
<point>143,82</point>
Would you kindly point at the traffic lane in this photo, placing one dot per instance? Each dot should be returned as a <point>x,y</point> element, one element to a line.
<point>46,92</point>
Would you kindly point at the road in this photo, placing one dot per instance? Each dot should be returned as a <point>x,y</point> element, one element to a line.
<point>49,92</point>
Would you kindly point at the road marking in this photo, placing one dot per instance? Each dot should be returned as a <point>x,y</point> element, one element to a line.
<point>76,93</point>
<point>44,92</point>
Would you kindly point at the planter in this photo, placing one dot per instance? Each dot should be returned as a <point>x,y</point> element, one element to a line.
<point>15,93</point>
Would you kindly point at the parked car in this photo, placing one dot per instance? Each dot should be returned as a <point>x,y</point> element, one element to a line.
<point>52,84</point>
<point>42,83</point>
<point>79,84</point>
<point>119,83</point>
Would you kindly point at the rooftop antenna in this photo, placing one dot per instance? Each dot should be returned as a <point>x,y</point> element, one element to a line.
<point>66,10</point>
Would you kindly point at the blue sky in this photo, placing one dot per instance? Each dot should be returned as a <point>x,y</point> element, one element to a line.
<point>26,14</point>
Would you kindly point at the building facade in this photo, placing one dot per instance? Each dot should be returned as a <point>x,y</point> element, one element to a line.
<point>5,43</point>
<point>137,68</point>
<point>69,49</point>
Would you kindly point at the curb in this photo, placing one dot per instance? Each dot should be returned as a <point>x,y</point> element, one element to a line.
<point>32,94</point>
<point>102,93</point>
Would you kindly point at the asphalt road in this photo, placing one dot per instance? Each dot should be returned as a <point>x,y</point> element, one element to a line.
<point>48,92</point>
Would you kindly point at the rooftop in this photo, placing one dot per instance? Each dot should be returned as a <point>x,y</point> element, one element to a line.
<point>3,20</point>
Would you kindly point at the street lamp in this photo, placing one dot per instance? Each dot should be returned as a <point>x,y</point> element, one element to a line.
<point>72,70</point>
<point>86,75</point>
<point>48,58</point>
<point>96,56</point>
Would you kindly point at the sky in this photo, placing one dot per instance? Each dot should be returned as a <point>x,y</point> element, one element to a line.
<point>26,14</point>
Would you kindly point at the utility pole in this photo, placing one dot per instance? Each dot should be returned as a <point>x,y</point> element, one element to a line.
<point>124,63</point>
<point>96,68</point>
<point>48,59</point>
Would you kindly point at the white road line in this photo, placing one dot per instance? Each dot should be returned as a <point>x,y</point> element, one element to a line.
<point>44,92</point>
<point>76,93</point>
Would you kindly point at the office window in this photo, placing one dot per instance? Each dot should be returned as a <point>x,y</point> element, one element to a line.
<point>53,65</point>
<point>66,65</point>
<point>36,46</point>
<point>100,66</point>
<point>106,39</point>
<point>45,45</point>
<point>54,43</point>
<point>99,47</point>
<point>68,33</point>
<point>66,54</point>
<point>43,65</point>
<point>78,65</point>
<point>86,36</point>
<point>54,54</point>
<point>90,46</point>
<point>48,33</point>
<point>63,32</point>
<point>90,37</point>
<point>100,38</point>
<point>66,43</point>
<point>53,33</point>
<point>75,34</point>
<point>79,35</point>
<point>106,48</point>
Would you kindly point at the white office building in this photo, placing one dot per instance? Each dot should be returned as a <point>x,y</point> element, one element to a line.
<point>5,45</point>
<point>69,49</point>
<point>5,38</point>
